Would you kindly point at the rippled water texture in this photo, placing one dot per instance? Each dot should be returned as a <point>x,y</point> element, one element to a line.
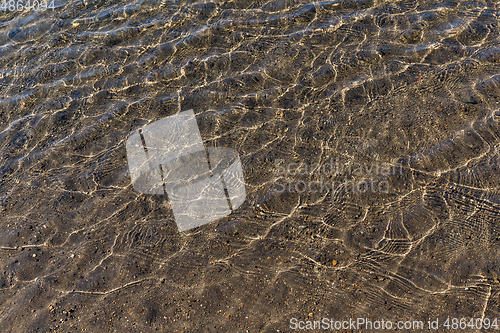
<point>411,83</point>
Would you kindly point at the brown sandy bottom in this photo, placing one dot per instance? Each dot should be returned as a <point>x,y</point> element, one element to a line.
<point>294,88</point>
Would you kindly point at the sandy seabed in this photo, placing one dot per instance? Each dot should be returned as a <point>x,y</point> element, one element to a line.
<point>411,84</point>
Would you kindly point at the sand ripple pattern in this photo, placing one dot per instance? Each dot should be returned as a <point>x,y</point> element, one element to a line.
<point>413,83</point>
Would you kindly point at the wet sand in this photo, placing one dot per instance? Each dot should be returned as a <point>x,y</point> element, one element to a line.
<point>284,83</point>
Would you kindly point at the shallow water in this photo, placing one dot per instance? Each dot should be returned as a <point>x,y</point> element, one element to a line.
<point>295,88</point>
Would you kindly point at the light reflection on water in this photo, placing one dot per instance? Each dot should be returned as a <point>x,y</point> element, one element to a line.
<point>411,83</point>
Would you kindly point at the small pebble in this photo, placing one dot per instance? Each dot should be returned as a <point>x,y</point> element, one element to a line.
<point>496,115</point>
